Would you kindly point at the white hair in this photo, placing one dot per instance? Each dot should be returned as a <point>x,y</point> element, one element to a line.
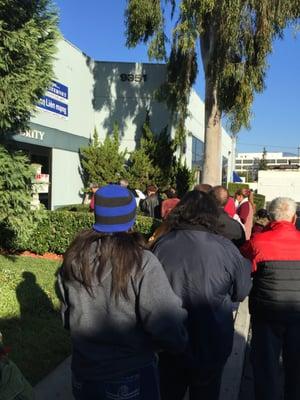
<point>282,209</point>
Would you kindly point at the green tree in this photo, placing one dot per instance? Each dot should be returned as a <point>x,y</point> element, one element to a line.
<point>103,163</point>
<point>140,170</point>
<point>184,178</point>
<point>160,150</point>
<point>16,175</point>
<point>262,165</point>
<point>28,33</point>
<point>235,39</point>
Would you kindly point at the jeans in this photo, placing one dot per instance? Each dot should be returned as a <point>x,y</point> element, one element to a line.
<point>269,339</point>
<point>140,384</point>
<point>203,384</point>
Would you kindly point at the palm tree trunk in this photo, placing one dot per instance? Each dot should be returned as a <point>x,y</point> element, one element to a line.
<point>213,137</point>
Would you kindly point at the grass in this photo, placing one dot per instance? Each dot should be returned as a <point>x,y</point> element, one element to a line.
<point>29,316</point>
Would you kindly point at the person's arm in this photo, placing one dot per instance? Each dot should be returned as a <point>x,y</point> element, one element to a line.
<point>243,211</point>
<point>248,251</point>
<point>63,297</point>
<point>160,310</point>
<point>240,270</point>
<point>239,236</point>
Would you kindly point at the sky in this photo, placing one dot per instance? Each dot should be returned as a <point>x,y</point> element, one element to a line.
<point>97,28</point>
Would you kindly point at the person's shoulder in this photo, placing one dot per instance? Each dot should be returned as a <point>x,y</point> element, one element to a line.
<point>149,260</point>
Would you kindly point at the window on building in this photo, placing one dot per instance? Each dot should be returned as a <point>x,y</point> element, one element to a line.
<point>270,161</point>
<point>197,152</point>
<point>224,170</point>
<point>247,161</point>
<point>293,161</point>
<point>238,161</point>
<point>282,161</point>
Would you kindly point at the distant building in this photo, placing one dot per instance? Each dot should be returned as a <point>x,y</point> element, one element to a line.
<point>249,162</point>
<point>86,94</point>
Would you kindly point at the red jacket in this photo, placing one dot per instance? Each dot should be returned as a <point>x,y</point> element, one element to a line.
<point>279,241</point>
<point>275,256</point>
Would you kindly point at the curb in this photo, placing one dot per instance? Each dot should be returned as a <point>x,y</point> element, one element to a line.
<point>56,385</point>
<point>233,371</point>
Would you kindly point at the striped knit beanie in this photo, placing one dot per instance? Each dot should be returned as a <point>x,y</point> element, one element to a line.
<point>115,209</point>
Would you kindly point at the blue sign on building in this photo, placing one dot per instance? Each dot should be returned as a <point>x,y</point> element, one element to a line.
<point>52,105</point>
<point>60,90</point>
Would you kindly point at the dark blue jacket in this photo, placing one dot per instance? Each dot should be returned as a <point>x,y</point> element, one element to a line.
<point>208,272</point>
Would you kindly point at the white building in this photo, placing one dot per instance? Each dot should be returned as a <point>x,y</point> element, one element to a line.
<point>87,94</point>
<point>249,162</point>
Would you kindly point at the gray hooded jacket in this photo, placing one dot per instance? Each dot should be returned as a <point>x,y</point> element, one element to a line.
<point>109,337</point>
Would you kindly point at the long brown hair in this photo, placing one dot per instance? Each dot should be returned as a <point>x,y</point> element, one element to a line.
<point>91,252</point>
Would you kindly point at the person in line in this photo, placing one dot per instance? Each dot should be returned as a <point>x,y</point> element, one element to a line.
<point>245,209</point>
<point>168,204</point>
<point>208,272</point>
<point>94,187</point>
<point>118,304</point>
<point>230,208</point>
<point>227,226</point>
<point>151,204</point>
<point>262,219</point>
<point>274,303</point>
<point>203,187</point>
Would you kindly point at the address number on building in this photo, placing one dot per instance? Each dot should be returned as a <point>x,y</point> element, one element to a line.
<point>133,77</point>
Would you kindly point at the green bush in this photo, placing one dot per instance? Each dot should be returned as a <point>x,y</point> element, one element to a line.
<point>56,229</point>
<point>259,201</point>
<point>233,187</point>
<point>74,207</point>
<point>16,174</point>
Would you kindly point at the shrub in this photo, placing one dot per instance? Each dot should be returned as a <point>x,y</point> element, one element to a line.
<point>103,163</point>
<point>56,230</point>
<point>16,174</point>
<point>233,187</point>
<point>259,201</point>
<point>74,207</point>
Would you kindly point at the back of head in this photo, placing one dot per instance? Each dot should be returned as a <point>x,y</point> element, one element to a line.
<point>152,189</point>
<point>171,193</point>
<point>115,209</point>
<point>262,213</point>
<point>108,241</point>
<point>124,182</point>
<point>220,194</point>
<point>195,208</point>
<point>203,187</point>
<point>282,209</point>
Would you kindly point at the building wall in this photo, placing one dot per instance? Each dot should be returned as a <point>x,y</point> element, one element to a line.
<point>101,94</point>
<point>123,93</point>
<point>66,181</point>
<point>275,183</point>
<point>71,68</point>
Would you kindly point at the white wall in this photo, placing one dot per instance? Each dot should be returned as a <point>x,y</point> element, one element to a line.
<point>72,70</point>
<point>275,183</point>
<point>66,180</point>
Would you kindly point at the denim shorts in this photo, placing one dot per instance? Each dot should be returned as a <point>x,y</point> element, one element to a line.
<point>140,384</point>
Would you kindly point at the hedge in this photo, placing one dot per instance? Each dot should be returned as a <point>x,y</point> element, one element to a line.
<point>57,229</point>
<point>259,199</point>
<point>233,187</point>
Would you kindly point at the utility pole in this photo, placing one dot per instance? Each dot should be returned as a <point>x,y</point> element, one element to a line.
<point>231,158</point>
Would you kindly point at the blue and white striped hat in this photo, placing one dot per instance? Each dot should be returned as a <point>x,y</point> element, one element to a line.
<point>115,209</point>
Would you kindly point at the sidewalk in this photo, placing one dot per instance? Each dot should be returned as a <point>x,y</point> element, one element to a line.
<point>57,385</point>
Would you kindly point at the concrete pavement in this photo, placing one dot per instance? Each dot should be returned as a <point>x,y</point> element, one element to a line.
<point>57,385</point>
